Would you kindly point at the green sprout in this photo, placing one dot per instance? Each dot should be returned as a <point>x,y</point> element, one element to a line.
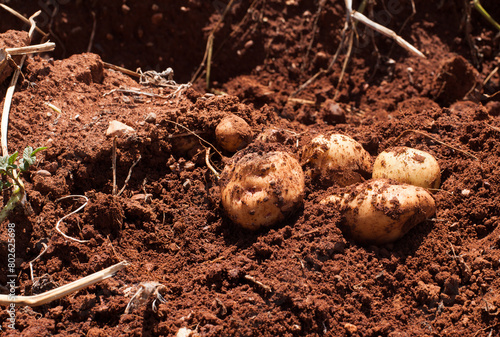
<point>9,168</point>
<point>484,13</point>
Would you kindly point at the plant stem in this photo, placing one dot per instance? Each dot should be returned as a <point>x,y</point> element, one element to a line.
<point>486,15</point>
<point>17,196</point>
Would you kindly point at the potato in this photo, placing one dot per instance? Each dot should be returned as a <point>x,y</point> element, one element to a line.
<point>337,158</point>
<point>379,212</point>
<point>233,133</point>
<point>408,166</point>
<point>261,189</point>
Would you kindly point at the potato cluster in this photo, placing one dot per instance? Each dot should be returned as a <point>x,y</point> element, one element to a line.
<point>260,189</point>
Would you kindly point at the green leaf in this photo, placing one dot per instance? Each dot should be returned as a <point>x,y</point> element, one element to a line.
<point>4,164</point>
<point>38,149</point>
<point>27,160</point>
<point>13,158</point>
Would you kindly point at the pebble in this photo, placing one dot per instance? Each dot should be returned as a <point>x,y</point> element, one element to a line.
<point>151,118</point>
<point>117,128</point>
<point>141,197</point>
<point>351,328</point>
<point>125,9</point>
<point>185,332</point>
<point>43,173</point>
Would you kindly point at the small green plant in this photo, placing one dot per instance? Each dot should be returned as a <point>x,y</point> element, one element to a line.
<point>9,168</point>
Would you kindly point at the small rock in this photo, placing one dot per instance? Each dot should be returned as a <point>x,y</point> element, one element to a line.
<point>141,197</point>
<point>189,166</point>
<point>333,113</point>
<point>151,118</point>
<point>43,173</point>
<point>185,332</point>
<point>125,9</point>
<point>117,128</point>
<point>351,328</point>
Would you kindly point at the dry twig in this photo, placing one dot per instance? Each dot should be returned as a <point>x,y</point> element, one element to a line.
<point>207,57</point>
<point>67,289</point>
<point>21,17</point>
<point>434,139</point>
<point>129,174</point>
<point>252,279</point>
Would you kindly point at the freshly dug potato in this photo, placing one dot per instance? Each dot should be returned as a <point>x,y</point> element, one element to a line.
<point>233,133</point>
<point>261,189</point>
<point>338,158</point>
<point>378,211</point>
<point>408,166</point>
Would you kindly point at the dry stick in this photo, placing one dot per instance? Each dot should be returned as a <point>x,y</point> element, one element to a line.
<point>344,66</point>
<point>132,91</point>
<point>129,175</point>
<point>330,66</point>
<point>92,34</point>
<point>67,215</point>
<point>238,27</point>
<point>387,32</point>
<point>209,46</point>
<point>413,12</point>
<point>20,16</point>
<point>194,134</point>
<point>260,284</point>
<point>10,92</point>
<point>434,139</point>
<point>114,165</point>
<point>493,127</point>
<point>67,289</point>
<point>33,49</point>
<point>314,30</point>
<point>121,69</point>
<point>488,78</point>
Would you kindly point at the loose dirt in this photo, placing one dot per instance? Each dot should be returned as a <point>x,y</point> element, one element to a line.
<point>302,277</point>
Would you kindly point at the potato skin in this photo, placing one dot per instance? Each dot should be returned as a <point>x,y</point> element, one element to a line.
<point>379,211</point>
<point>261,189</point>
<point>233,133</point>
<point>408,166</point>
<point>337,158</point>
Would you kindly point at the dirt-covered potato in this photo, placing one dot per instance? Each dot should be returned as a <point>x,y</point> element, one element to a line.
<point>261,189</point>
<point>233,133</point>
<point>337,158</point>
<point>408,166</point>
<point>378,211</point>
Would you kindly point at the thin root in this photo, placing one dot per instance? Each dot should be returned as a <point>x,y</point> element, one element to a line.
<point>129,174</point>
<point>209,165</point>
<point>67,215</point>
<point>252,279</point>
<point>434,139</point>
